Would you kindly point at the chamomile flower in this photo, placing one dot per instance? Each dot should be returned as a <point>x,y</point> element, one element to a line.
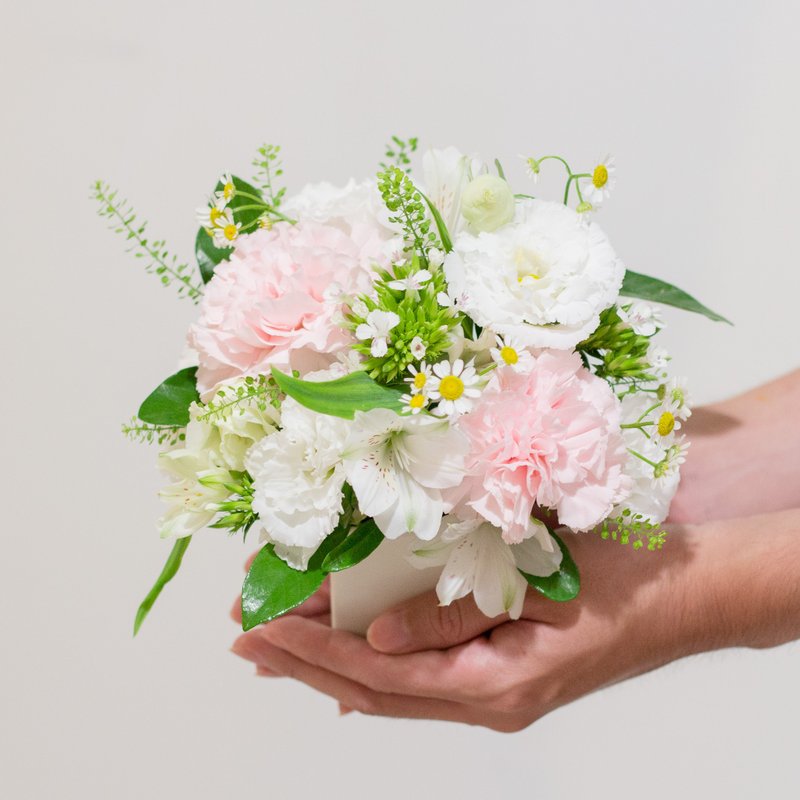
<point>510,353</point>
<point>413,403</point>
<point>377,328</point>
<point>666,427</point>
<point>413,283</point>
<point>643,318</point>
<point>673,458</point>
<point>455,386</point>
<point>420,379</point>
<point>417,348</point>
<point>209,215</point>
<point>601,182</point>
<point>532,167</point>
<point>674,398</point>
<point>226,229</point>
<point>228,190</point>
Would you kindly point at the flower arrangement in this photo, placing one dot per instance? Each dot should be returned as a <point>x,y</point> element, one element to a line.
<point>440,359</point>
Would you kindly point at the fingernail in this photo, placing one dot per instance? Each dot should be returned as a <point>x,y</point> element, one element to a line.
<point>389,632</point>
<point>246,648</point>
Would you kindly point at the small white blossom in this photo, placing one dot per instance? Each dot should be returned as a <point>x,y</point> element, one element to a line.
<point>420,380</point>
<point>675,398</point>
<point>532,167</point>
<point>226,230</point>
<point>435,257</point>
<point>658,358</point>
<point>413,403</point>
<point>643,318</point>
<point>601,182</point>
<point>228,190</point>
<point>413,283</point>
<point>359,308</point>
<point>377,328</point>
<point>208,215</point>
<point>417,348</point>
<point>455,386</point>
<point>510,353</point>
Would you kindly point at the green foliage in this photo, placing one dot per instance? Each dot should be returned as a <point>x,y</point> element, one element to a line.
<point>562,585</point>
<point>169,402</point>
<point>657,291</point>
<point>421,316</point>
<point>634,529</point>
<point>441,227</point>
<point>260,390</point>
<point>268,168</point>
<point>157,259</point>
<point>359,544</point>
<point>408,209</point>
<point>145,433</point>
<point>167,574</point>
<point>238,514</point>
<point>208,254</point>
<point>399,151</point>
<point>614,352</point>
<point>341,397</point>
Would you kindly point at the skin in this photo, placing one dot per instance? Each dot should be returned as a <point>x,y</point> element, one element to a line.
<point>636,611</point>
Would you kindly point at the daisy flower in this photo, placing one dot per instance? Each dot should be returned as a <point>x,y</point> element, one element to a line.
<point>601,183</point>
<point>509,353</point>
<point>226,230</point>
<point>420,380</point>
<point>673,458</point>
<point>413,403</point>
<point>532,167</point>
<point>209,215</point>
<point>228,190</point>
<point>377,328</point>
<point>675,398</point>
<point>455,386</point>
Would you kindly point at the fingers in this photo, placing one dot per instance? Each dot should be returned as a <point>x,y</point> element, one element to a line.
<point>422,624</point>
<point>351,696</point>
<point>458,674</point>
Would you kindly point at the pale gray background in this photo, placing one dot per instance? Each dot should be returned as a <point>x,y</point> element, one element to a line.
<point>699,102</point>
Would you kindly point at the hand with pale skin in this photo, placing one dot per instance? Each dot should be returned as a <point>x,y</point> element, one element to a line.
<point>719,583</point>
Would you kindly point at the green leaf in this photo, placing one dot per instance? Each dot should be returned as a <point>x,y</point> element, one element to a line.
<point>169,403</point>
<point>499,167</point>
<point>355,548</point>
<point>444,234</point>
<point>167,574</point>
<point>208,254</point>
<point>341,397</point>
<point>646,288</point>
<point>562,585</point>
<point>272,587</point>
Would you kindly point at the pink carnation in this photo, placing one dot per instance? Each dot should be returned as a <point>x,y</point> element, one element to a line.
<point>549,437</point>
<point>277,301</point>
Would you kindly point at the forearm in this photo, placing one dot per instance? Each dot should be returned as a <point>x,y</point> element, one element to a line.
<point>745,455</point>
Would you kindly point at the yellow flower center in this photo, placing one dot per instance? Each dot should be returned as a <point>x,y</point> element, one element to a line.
<point>666,424</point>
<point>600,176</point>
<point>509,355</point>
<point>451,387</point>
<point>227,191</point>
<point>417,401</point>
<point>420,379</point>
<point>230,231</point>
<point>214,214</point>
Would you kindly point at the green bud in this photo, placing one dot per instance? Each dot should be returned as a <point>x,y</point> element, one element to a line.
<point>487,203</point>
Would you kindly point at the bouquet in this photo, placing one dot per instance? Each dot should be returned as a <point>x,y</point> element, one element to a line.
<point>441,358</point>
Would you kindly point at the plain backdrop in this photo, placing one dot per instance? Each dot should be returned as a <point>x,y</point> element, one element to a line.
<point>698,100</point>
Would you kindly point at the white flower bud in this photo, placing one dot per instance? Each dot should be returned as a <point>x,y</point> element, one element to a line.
<point>487,203</point>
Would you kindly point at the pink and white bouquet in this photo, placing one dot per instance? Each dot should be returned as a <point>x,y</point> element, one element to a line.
<point>441,359</point>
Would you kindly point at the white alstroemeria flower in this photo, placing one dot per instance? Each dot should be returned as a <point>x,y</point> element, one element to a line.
<point>643,318</point>
<point>675,398</point>
<point>413,403</point>
<point>477,560</point>
<point>445,175</point>
<point>226,230</point>
<point>298,476</point>
<point>228,190</point>
<point>435,257</point>
<point>601,183</point>
<point>417,348</point>
<point>420,380</point>
<point>200,475</point>
<point>377,328</point>
<point>510,353</point>
<point>455,386</point>
<point>398,465</point>
<point>543,279</point>
<point>413,283</point>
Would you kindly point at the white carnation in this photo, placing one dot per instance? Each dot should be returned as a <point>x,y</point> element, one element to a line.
<point>543,279</point>
<point>298,476</point>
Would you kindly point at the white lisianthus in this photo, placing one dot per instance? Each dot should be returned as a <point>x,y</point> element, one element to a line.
<point>487,203</point>
<point>543,279</point>
<point>398,465</point>
<point>477,560</point>
<point>200,474</point>
<point>298,476</point>
<point>446,174</point>
<point>643,318</point>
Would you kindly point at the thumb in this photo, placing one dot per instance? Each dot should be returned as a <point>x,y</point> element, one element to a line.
<point>422,624</point>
